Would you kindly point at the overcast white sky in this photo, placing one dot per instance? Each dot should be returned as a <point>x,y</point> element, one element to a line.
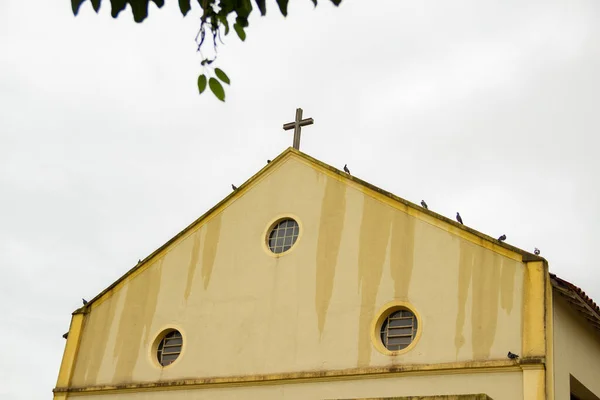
<point>107,151</point>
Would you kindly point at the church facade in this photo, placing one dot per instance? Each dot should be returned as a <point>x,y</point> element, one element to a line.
<point>308,283</point>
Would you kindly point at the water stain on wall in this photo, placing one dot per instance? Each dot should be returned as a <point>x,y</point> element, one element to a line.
<point>373,241</point>
<point>331,225</point>
<point>94,339</point>
<point>470,255</point>
<point>507,278</point>
<point>209,250</point>
<point>402,253</point>
<point>195,256</point>
<point>135,321</point>
<point>486,295</point>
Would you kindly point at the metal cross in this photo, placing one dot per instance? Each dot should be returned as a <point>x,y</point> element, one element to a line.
<point>297,125</point>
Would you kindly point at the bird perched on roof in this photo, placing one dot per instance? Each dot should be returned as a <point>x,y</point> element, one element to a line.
<point>66,335</point>
<point>424,205</point>
<point>233,187</point>
<point>502,238</point>
<point>512,356</point>
<point>139,261</point>
<point>84,301</point>
<point>458,218</point>
<point>346,170</point>
<point>536,251</point>
<point>268,161</point>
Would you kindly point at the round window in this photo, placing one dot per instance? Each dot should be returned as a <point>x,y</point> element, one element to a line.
<point>283,235</point>
<point>169,348</point>
<point>399,329</point>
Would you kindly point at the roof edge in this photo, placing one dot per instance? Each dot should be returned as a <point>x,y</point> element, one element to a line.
<point>86,308</point>
<point>526,256</point>
<point>579,299</point>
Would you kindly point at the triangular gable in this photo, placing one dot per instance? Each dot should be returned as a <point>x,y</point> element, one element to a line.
<point>369,189</point>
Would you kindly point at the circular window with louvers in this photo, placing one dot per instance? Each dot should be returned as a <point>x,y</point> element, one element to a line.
<point>169,348</point>
<point>283,235</point>
<point>399,329</point>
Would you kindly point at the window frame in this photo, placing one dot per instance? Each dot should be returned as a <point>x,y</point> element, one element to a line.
<point>273,227</point>
<point>381,316</point>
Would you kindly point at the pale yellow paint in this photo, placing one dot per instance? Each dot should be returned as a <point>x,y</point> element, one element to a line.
<point>534,333</point>
<point>331,226</point>
<point>71,349</point>
<point>576,350</point>
<point>248,312</point>
<point>549,295</point>
<point>498,385</point>
<point>534,386</point>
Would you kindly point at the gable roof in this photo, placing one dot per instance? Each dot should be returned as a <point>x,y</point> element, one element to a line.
<point>578,299</point>
<point>291,152</point>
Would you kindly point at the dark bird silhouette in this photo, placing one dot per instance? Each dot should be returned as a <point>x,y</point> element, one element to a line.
<point>346,170</point>
<point>512,356</point>
<point>233,187</point>
<point>268,161</point>
<point>536,251</point>
<point>502,238</point>
<point>424,205</point>
<point>458,218</point>
<point>139,261</point>
<point>84,301</point>
<point>66,335</point>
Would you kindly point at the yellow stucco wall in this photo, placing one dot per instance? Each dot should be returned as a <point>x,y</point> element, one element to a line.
<point>244,311</point>
<point>576,350</point>
<point>505,386</point>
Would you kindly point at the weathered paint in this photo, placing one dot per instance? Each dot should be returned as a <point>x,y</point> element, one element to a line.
<point>194,259</point>
<point>372,246</point>
<point>71,349</point>
<point>550,360</point>
<point>255,313</point>
<point>331,226</point>
<point>534,385</point>
<point>508,387</point>
<point>576,350</point>
<point>534,314</point>
<point>402,253</point>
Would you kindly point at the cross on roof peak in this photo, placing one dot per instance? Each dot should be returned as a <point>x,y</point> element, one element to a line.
<point>297,126</point>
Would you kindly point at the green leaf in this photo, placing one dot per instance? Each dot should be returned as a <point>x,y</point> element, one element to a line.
<point>217,88</point>
<point>75,4</point>
<point>263,7</point>
<point>314,2</point>
<point>336,2</point>
<point>116,6</point>
<point>240,31</point>
<point>283,6</point>
<point>201,83</point>
<point>184,6</point>
<point>96,5</point>
<point>223,19</point>
<point>222,75</point>
<point>139,9</point>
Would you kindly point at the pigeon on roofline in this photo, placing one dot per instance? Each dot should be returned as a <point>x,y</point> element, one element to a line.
<point>346,170</point>
<point>268,161</point>
<point>512,356</point>
<point>502,238</point>
<point>536,251</point>
<point>84,301</point>
<point>424,205</point>
<point>233,187</point>
<point>458,218</point>
<point>66,335</point>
